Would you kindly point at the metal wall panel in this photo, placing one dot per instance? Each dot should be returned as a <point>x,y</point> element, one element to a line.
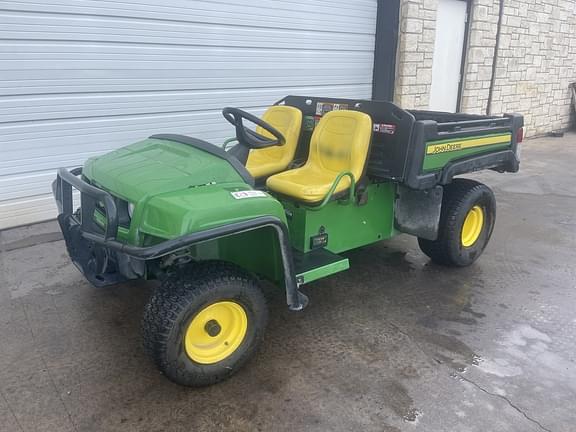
<point>81,78</point>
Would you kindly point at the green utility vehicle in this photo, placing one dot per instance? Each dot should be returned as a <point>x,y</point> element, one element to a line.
<point>315,178</point>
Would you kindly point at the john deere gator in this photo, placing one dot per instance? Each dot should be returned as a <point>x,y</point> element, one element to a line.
<point>281,202</point>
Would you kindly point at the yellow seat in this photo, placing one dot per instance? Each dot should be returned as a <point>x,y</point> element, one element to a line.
<point>272,160</point>
<point>339,144</point>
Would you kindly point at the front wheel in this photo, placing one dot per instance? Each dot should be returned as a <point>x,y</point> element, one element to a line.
<point>202,325</point>
<point>466,223</point>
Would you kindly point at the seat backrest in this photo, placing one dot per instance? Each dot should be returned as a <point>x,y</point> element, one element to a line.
<point>340,142</point>
<point>288,121</point>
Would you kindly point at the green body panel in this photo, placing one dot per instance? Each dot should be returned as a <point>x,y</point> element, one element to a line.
<point>257,251</point>
<point>153,166</point>
<point>348,225</point>
<point>453,149</point>
<point>176,189</point>
<point>173,214</point>
<point>324,270</point>
<point>123,232</point>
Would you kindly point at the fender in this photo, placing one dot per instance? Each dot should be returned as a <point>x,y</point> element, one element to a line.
<point>69,223</point>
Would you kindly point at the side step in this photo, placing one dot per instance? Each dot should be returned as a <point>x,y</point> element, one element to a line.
<point>317,264</point>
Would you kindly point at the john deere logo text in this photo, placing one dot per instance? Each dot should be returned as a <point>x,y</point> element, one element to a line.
<point>443,148</point>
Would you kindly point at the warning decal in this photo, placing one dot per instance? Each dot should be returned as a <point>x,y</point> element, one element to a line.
<point>248,194</point>
<point>385,128</point>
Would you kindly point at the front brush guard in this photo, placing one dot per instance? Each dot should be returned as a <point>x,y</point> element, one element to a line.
<point>104,260</point>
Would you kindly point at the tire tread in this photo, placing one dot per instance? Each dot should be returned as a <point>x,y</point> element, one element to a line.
<point>455,196</point>
<point>177,293</point>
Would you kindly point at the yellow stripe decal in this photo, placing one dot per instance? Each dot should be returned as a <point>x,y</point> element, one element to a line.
<point>460,145</point>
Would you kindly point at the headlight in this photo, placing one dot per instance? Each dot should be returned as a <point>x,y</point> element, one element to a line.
<point>130,210</point>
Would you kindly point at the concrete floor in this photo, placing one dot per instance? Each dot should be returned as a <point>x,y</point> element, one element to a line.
<point>394,344</point>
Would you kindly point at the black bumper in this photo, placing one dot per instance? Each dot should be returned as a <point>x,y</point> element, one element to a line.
<point>86,241</point>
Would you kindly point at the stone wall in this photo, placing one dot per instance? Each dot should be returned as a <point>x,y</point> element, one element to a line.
<point>536,59</point>
<point>480,56</point>
<point>415,53</point>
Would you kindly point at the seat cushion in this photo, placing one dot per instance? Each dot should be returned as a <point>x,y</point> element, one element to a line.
<point>339,144</point>
<point>271,160</point>
<point>308,184</point>
<point>264,164</point>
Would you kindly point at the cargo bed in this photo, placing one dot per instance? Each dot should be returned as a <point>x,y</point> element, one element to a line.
<point>422,149</point>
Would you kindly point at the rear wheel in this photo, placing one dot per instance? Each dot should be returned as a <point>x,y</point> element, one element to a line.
<point>466,223</point>
<point>202,325</point>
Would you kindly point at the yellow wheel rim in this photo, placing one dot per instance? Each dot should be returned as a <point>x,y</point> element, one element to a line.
<point>473,225</point>
<point>216,332</point>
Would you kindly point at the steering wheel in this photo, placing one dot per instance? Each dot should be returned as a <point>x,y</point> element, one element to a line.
<point>247,138</point>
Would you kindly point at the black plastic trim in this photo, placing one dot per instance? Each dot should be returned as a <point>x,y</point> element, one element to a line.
<point>86,230</point>
<point>90,196</point>
<point>505,161</point>
<point>415,159</point>
<point>294,299</point>
<point>417,212</point>
<point>212,149</point>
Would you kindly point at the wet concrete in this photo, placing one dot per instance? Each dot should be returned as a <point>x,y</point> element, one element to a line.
<point>394,344</point>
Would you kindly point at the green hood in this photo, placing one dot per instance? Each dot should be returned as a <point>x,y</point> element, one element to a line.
<point>177,185</point>
<point>155,166</point>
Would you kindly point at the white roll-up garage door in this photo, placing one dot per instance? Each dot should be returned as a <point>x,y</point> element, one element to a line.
<point>79,78</point>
